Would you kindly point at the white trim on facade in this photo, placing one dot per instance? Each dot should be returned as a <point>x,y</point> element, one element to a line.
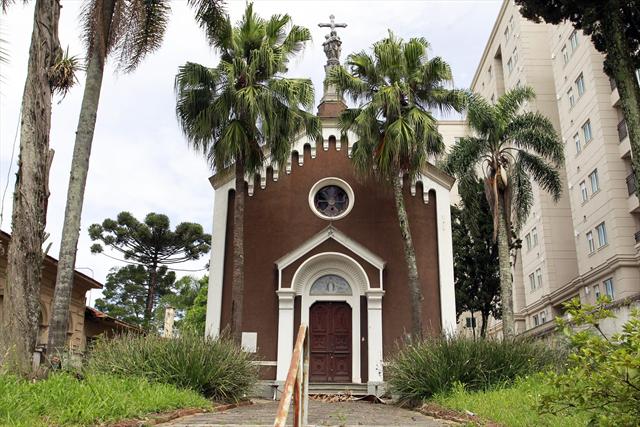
<point>216,265</point>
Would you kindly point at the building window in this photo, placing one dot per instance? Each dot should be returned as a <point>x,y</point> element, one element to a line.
<point>534,234</point>
<point>493,99</point>
<point>573,40</point>
<point>586,131</point>
<point>565,54</point>
<point>470,322</point>
<point>543,316</point>
<point>527,239</point>
<point>571,97</point>
<point>596,291</point>
<point>608,287</point>
<point>331,198</point>
<point>490,72</point>
<point>583,192</point>
<point>510,65</point>
<point>595,181</point>
<point>507,33</point>
<point>592,245</point>
<point>602,234</point>
<point>580,84</point>
<point>536,321</point>
<point>515,55</point>
<point>532,282</point>
<point>518,83</point>
<point>576,139</point>
<point>539,278</point>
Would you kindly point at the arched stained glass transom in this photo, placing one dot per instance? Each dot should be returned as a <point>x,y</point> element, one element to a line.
<point>330,284</point>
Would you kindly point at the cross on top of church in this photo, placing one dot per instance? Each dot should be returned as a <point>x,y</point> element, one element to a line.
<point>332,24</point>
<point>332,43</point>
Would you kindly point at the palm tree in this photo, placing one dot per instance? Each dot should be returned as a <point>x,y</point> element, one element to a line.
<point>396,88</point>
<point>511,148</point>
<point>244,110</point>
<point>126,30</point>
<point>24,258</point>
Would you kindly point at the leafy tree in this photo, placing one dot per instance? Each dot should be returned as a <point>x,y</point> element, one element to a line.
<point>614,27</point>
<point>45,76</point>
<point>396,87</point>
<point>126,290</point>
<point>244,107</point>
<point>510,148</point>
<point>475,257</point>
<point>126,30</point>
<point>196,315</point>
<point>603,375</point>
<point>150,244</point>
<point>185,292</point>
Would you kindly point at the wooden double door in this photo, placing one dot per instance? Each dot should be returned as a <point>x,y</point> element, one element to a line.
<point>330,342</point>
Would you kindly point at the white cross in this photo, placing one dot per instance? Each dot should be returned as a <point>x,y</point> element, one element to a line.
<point>332,23</point>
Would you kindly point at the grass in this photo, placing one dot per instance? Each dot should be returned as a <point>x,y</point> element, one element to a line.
<point>63,399</point>
<point>217,369</point>
<point>512,406</point>
<point>434,365</point>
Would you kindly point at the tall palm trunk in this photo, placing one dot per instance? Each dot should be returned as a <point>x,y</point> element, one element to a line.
<point>77,182</point>
<point>237,287</point>
<point>619,60</point>
<point>506,288</point>
<point>25,257</point>
<point>410,259</point>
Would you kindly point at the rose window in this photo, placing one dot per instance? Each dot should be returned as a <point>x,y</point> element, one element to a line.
<point>331,200</point>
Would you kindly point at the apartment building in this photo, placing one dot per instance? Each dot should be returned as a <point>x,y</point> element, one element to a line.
<point>588,243</point>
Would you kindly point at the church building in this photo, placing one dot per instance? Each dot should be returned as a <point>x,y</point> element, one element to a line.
<point>323,247</point>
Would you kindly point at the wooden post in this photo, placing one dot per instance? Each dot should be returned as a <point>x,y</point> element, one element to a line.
<point>292,384</point>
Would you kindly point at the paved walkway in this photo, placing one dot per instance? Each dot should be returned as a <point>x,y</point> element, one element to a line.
<point>262,413</point>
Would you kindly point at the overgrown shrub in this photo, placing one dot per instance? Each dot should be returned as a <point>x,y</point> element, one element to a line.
<point>218,369</point>
<point>603,375</point>
<point>421,369</point>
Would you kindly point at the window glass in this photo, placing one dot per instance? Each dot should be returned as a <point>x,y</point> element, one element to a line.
<point>602,234</point>
<point>596,291</point>
<point>583,192</point>
<point>539,278</point>
<point>592,245</point>
<point>532,282</point>
<point>586,131</point>
<point>571,97</point>
<point>608,287</point>
<point>580,84</point>
<point>576,139</point>
<point>527,239</point>
<point>534,233</point>
<point>595,181</point>
<point>573,39</point>
<point>565,54</point>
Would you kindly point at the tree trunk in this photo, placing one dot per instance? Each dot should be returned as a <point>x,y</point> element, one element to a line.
<point>151,294</point>
<point>75,194</point>
<point>413,280</point>
<point>621,67</point>
<point>483,328</point>
<point>506,288</point>
<point>24,259</point>
<point>237,288</point>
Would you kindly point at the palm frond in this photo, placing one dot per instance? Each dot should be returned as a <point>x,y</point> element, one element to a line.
<point>522,194</point>
<point>534,131</point>
<point>547,177</point>
<point>509,103</point>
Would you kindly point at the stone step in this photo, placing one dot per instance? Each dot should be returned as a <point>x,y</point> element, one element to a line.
<point>335,388</point>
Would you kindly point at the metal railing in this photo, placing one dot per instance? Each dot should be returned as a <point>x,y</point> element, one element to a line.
<point>631,183</point>
<point>637,236</point>
<point>622,130</point>
<point>297,384</point>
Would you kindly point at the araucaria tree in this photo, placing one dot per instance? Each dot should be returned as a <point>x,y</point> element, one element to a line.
<point>614,27</point>
<point>151,244</point>
<point>475,256</point>
<point>25,256</point>
<point>125,30</point>
<point>510,148</point>
<point>395,89</point>
<point>244,110</point>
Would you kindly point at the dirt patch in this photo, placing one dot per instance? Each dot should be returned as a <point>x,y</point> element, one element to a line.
<point>437,411</point>
<point>164,417</point>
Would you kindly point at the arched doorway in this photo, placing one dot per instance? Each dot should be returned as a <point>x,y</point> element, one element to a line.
<point>330,342</point>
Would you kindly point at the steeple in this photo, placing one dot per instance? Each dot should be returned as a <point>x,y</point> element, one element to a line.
<point>331,103</point>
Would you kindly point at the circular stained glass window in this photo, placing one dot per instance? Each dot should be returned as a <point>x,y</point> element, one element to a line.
<point>331,200</point>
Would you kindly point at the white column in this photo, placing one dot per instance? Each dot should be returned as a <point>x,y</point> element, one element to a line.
<point>374,334</point>
<point>216,264</point>
<point>286,299</point>
<point>445,261</point>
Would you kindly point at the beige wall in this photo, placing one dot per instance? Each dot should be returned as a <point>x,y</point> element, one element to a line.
<point>561,254</point>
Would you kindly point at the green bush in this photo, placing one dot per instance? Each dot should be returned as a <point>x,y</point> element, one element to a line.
<point>62,399</point>
<point>218,369</point>
<point>421,369</point>
<point>603,375</point>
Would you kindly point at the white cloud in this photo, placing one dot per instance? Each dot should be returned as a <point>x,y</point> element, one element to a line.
<point>140,161</point>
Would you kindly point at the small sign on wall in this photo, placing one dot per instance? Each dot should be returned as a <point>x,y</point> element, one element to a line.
<point>250,342</point>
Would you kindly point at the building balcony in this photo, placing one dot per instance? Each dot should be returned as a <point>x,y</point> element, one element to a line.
<point>637,237</point>
<point>633,202</point>
<point>623,131</point>
<point>631,183</point>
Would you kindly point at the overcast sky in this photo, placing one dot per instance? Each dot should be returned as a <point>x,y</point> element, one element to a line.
<point>140,161</point>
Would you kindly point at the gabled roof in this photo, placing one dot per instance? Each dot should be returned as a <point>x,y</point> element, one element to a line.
<point>330,232</point>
